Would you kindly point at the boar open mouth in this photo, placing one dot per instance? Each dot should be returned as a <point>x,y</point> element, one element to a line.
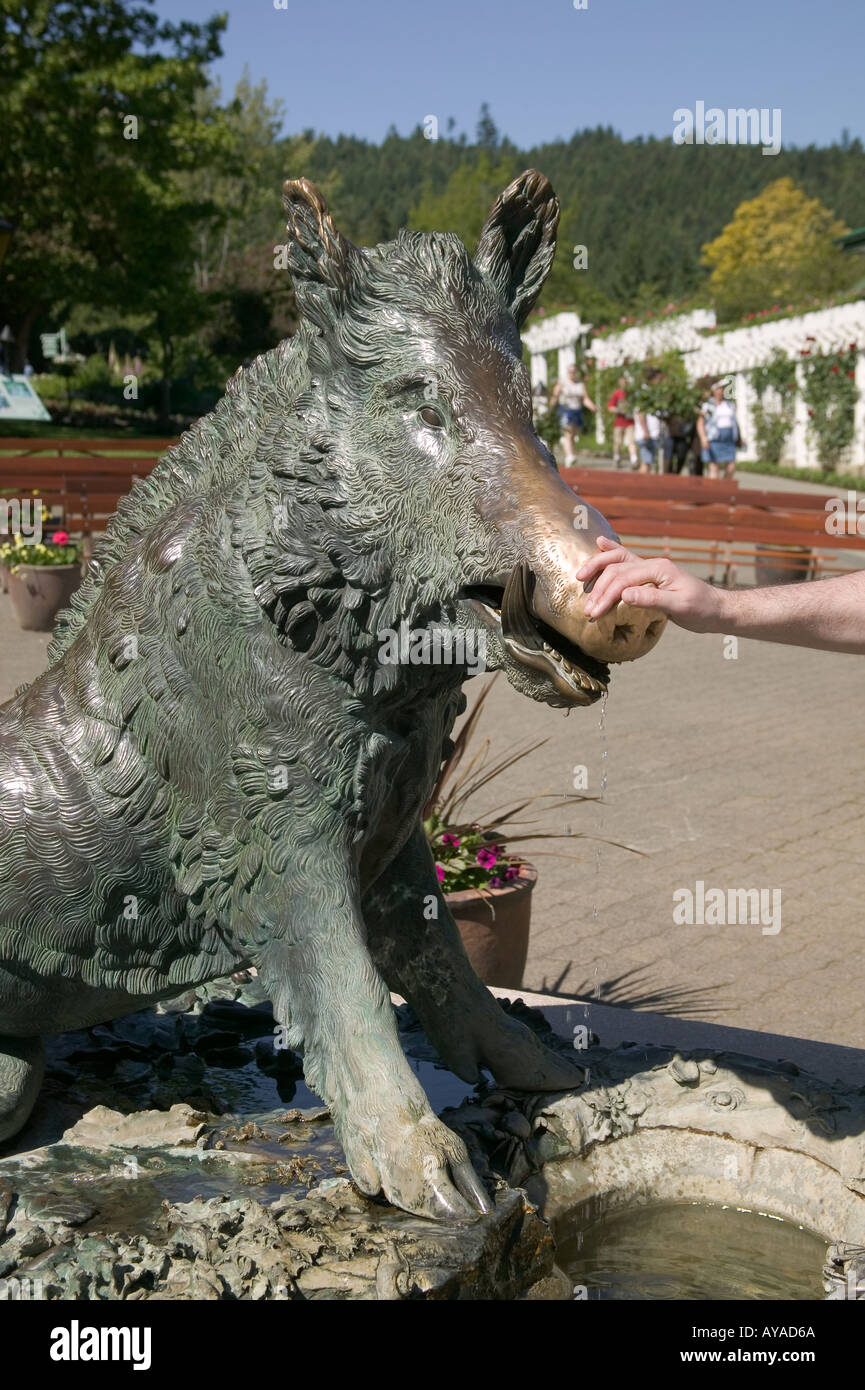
<point>532,642</point>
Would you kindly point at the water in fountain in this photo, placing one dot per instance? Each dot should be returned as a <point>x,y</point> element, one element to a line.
<point>673,1250</point>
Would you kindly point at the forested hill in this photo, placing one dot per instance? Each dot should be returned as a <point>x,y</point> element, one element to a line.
<point>643,208</point>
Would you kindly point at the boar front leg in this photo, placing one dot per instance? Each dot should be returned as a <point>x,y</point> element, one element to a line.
<point>421,956</point>
<point>328,992</point>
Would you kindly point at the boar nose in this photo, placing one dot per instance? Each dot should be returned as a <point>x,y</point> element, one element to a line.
<point>623,634</point>
<point>557,531</point>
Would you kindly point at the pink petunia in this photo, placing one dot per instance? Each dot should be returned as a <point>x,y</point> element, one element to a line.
<point>452,840</point>
<point>60,538</point>
<point>487,858</point>
<point>440,873</point>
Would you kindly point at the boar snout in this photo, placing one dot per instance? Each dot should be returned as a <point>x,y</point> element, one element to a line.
<point>623,634</point>
<point>541,608</point>
<point>563,534</point>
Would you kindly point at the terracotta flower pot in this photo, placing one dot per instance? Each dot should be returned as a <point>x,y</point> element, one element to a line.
<point>495,928</point>
<point>38,592</point>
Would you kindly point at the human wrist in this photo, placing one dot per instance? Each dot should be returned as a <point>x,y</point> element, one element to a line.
<point>722,612</point>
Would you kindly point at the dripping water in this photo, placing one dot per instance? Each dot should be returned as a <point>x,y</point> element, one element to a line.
<point>602,730</point>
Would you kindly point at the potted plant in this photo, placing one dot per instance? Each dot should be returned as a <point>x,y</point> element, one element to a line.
<point>487,886</point>
<point>6,496</point>
<point>42,577</point>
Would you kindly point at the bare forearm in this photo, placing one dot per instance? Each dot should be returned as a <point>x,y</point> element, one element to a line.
<point>828,614</point>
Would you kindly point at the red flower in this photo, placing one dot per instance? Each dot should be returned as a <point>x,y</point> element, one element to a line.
<point>60,538</point>
<point>852,347</point>
<point>851,374</point>
<point>810,412</point>
<point>834,370</point>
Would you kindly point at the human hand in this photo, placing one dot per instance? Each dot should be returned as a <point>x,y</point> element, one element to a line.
<point>616,573</point>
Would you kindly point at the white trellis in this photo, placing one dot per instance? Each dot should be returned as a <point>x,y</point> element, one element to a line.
<point>732,353</point>
<point>563,333</point>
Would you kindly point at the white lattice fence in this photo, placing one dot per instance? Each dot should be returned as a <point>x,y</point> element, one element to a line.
<point>732,353</point>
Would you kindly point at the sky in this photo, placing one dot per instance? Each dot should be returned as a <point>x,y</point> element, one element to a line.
<point>546,68</point>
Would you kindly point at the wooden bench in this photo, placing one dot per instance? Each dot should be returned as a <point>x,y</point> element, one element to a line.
<point>83,479</point>
<point>698,520</point>
<point>717,522</point>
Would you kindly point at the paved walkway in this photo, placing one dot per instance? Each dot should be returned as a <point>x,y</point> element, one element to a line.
<point>740,773</point>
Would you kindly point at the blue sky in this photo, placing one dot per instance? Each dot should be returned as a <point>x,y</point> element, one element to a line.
<point>546,69</point>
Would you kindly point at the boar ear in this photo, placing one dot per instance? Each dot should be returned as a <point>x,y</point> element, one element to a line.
<point>323,263</point>
<point>518,241</point>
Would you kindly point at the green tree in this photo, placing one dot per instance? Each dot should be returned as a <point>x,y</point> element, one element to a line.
<point>463,205</point>
<point>98,114</point>
<point>244,193</point>
<point>487,130</point>
<point>777,247</point>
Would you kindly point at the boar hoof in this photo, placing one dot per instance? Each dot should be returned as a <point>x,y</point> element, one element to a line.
<point>517,1058</point>
<point>420,1166</point>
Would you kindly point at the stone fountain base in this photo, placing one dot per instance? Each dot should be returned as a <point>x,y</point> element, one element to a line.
<point>176,1155</point>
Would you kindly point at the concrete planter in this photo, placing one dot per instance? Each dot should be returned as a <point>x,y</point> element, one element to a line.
<point>38,592</point>
<point>782,564</point>
<point>495,928</point>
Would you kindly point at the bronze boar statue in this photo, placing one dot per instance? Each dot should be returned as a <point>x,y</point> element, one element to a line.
<point>218,770</point>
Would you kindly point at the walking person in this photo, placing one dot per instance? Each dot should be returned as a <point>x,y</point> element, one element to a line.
<point>623,424</point>
<point>570,396</point>
<point>682,435</point>
<point>647,436</point>
<point>719,434</point>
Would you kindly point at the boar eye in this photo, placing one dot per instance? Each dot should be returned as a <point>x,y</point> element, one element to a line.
<point>431,416</point>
